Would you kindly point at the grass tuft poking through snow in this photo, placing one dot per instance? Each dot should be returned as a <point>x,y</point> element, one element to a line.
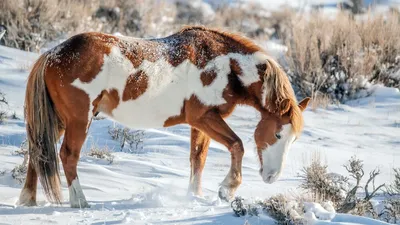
<point>101,153</point>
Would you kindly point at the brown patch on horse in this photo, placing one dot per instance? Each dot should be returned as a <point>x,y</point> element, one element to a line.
<point>107,101</point>
<point>207,77</point>
<point>83,56</point>
<point>235,67</point>
<point>136,85</point>
<point>200,45</point>
<point>137,50</point>
<point>261,69</point>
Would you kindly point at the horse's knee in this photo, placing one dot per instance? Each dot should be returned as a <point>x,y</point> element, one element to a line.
<point>236,147</point>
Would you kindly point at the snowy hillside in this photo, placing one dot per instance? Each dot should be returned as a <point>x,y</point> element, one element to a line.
<point>149,186</point>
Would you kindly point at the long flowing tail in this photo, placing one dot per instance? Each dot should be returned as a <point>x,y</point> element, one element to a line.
<point>42,125</point>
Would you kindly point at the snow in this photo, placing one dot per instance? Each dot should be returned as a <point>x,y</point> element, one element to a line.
<point>149,186</point>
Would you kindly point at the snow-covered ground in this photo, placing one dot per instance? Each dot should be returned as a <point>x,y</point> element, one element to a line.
<point>149,186</point>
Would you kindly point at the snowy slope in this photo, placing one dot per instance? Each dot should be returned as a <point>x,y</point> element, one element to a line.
<point>149,186</point>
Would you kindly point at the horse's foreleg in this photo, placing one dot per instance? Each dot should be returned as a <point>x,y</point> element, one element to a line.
<point>215,127</point>
<point>198,153</point>
<point>74,138</point>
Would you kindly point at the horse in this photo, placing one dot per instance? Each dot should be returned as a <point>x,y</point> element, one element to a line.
<point>195,76</point>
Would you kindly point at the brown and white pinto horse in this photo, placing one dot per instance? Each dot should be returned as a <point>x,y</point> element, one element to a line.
<point>196,76</point>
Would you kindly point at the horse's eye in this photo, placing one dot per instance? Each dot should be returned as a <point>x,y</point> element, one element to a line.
<point>278,136</point>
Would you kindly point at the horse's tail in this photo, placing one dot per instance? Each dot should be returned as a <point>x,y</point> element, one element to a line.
<point>42,126</point>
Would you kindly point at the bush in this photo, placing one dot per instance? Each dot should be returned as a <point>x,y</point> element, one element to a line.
<point>3,102</point>
<point>394,188</point>
<point>19,173</point>
<point>332,191</point>
<point>323,186</point>
<point>279,207</point>
<point>30,24</point>
<point>339,56</point>
<point>101,153</point>
<point>134,138</point>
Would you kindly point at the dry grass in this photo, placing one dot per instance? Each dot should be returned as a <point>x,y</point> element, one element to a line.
<point>101,153</point>
<point>134,138</point>
<point>31,23</point>
<point>338,56</point>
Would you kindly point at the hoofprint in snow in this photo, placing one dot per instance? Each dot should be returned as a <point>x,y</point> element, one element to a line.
<point>150,186</point>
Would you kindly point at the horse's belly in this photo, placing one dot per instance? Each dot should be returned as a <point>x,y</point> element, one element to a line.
<point>147,112</point>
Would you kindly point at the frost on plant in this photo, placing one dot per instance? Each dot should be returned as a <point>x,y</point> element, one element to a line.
<point>278,207</point>
<point>101,153</point>
<point>134,138</point>
<point>323,185</point>
<point>19,173</point>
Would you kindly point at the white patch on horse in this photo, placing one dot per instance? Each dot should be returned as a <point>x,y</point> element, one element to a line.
<point>168,86</point>
<point>76,197</point>
<point>274,156</point>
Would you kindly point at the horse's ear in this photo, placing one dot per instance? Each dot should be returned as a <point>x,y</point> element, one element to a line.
<point>303,104</point>
<point>284,106</point>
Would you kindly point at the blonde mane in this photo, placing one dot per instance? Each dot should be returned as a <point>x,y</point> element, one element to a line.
<point>279,94</point>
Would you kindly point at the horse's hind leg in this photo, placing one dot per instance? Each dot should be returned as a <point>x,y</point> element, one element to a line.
<point>28,193</point>
<point>198,154</point>
<point>74,137</point>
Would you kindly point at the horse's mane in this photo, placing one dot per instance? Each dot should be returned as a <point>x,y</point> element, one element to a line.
<point>233,36</point>
<point>279,93</point>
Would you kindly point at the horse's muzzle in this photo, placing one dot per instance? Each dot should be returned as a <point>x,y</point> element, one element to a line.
<point>269,177</point>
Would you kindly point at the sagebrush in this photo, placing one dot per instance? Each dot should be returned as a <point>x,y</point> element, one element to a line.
<point>340,56</point>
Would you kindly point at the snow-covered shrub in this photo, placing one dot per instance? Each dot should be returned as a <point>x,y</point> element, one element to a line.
<point>391,205</point>
<point>241,209</point>
<point>23,150</point>
<point>322,185</point>
<point>19,173</point>
<point>394,188</point>
<point>194,12</point>
<point>136,18</point>
<point>134,138</point>
<point>391,211</point>
<point>249,18</point>
<point>279,207</point>
<point>101,153</point>
<point>3,102</point>
<point>353,203</point>
<point>340,56</point>
<point>284,211</point>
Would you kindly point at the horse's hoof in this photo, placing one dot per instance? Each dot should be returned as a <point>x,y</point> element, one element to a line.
<point>28,203</point>
<point>80,205</point>
<point>224,194</point>
<point>26,198</point>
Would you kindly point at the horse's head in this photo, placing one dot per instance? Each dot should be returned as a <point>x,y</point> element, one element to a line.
<point>281,121</point>
<point>274,136</point>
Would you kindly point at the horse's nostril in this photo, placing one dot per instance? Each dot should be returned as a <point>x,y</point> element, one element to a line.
<point>261,170</point>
